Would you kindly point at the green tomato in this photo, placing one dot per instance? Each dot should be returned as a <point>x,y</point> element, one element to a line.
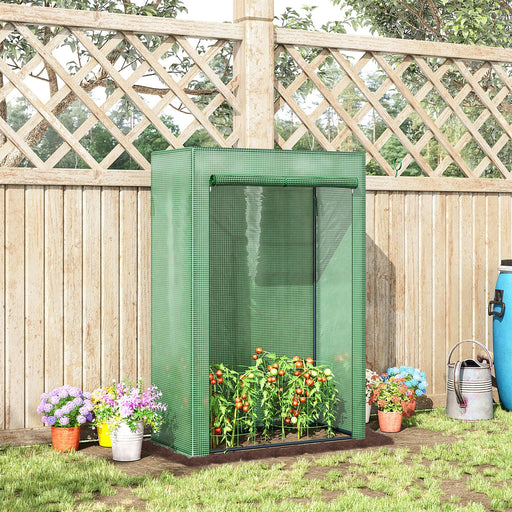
<point>273,371</point>
<point>293,420</point>
<point>327,371</point>
<point>313,373</point>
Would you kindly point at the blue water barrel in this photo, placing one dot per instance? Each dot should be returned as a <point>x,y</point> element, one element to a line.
<point>501,309</point>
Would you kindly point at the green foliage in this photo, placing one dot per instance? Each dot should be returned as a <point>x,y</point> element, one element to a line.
<point>483,22</point>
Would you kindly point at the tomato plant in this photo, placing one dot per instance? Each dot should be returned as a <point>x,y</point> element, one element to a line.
<point>231,412</point>
<point>275,392</point>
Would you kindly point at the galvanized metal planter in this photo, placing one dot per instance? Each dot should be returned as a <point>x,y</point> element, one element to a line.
<point>469,388</point>
<point>127,445</point>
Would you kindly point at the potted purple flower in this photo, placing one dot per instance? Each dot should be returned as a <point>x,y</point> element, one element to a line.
<point>65,409</point>
<point>131,410</point>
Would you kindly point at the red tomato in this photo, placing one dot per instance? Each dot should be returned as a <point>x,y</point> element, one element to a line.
<point>306,375</point>
<point>275,365</point>
<point>218,431</point>
<point>245,408</point>
<point>244,396</point>
<point>239,405</point>
<point>258,350</point>
<point>298,391</point>
<point>219,373</point>
<point>237,399</point>
<point>254,356</point>
<point>295,359</point>
<point>302,399</point>
<point>310,382</point>
<point>295,413</point>
<point>296,373</point>
<point>281,372</point>
<point>287,419</point>
<point>214,382</point>
<point>309,360</point>
<point>298,364</point>
<point>295,402</point>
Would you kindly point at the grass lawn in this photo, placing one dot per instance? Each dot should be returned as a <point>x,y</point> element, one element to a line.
<point>471,473</point>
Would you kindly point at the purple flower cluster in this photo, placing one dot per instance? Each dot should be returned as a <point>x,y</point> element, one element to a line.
<point>66,406</point>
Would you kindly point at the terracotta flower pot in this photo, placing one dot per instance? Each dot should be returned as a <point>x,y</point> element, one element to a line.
<point>65,438</point>
<point>390,421</point>
<point>409,408</point>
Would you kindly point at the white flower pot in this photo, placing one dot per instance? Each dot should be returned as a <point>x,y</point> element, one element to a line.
<point>127,445</point>
<point>368,411</point>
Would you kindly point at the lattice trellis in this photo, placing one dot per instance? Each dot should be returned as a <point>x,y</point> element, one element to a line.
<point>411,114</point>
<point>149,78</point>
<point>439,112</point>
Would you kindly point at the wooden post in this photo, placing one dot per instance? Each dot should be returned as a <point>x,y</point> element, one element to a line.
<point>254,67</point>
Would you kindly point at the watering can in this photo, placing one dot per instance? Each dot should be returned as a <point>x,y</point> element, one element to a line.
<point>469,388</point>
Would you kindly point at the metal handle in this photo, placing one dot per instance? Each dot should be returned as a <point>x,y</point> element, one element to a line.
<point>471,341</point>
<point>498,301</point>
<point>456,385</point>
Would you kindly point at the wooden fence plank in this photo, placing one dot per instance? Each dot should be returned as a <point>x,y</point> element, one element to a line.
<point>122,22</point>
<point>437,381</point>
<point>362,43</point>
<point>411,271</point>
<point>370,282</point>
<point>128,244</point>
<point>2,302</point>
<point>73,286</point>
<point>494,255</point>
<point>481,295</point>
<point>466,265</point>
<point>144,286</point>
<point>384,342</point>
<point>92,288</point>
<point>109,284</point>
<point>426,285</point>
<point>453,272</point>
<point>397,259</point>
<point>53,287</point>
<point>34,302</point>
<point>14,307</point>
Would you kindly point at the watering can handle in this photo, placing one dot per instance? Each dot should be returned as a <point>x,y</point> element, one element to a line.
<point>471,341</point>
<point>456,385</point>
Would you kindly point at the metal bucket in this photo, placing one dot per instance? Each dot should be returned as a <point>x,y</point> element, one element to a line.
<point>469,388</point>
<point>127,445</point>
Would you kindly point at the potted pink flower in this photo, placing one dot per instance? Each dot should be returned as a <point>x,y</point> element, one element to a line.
<point>130,408</point>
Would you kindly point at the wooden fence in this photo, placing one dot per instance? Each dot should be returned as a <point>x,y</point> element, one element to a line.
<point>75,264</point>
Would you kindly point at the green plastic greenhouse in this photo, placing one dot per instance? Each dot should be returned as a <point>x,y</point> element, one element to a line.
<point>255,248</point>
